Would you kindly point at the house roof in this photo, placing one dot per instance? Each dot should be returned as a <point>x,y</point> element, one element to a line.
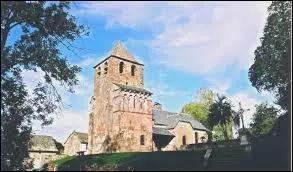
<point>82,137</point>
<point>42,143</point>
<point>161,131</point>
<point>137,89</point>
<point>171,119</point>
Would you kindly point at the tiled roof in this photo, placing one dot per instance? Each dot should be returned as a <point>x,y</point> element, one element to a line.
<point>127,87</point>
<point>42,143</point>
<point>170,120</point>
<point>161,131</point>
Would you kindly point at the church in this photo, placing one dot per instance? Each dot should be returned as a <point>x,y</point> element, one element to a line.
<point>123,117</point>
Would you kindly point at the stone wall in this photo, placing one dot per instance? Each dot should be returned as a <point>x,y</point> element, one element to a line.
<point>40,158</point>
<point>184,129</point>
<point>101,116</point>
<point>72,145</point>
<point>125,77</point>
<point>117,114</point>
<point>132,119</point>
<point>211,145</point>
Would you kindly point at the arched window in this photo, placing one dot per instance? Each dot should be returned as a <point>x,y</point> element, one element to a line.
<point>121,67</point>
<point>106,68</point>
<point>184,140</point>
<point>141,139</point>
<point>196,137</point>
<point>133,103</point>
<point>132,70</point>
<point>99,71</point>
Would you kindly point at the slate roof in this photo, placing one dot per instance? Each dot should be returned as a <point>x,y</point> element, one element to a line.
<point>127,87</point>
<point>83,137</point>
<point>171,119</point>
<point>161,131</point>
<point>42,143</point>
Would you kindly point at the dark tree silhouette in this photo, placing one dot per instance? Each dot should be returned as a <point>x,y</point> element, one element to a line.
<point>43,27</point>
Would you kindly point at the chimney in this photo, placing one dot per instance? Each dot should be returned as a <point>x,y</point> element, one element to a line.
<point>157,106</point>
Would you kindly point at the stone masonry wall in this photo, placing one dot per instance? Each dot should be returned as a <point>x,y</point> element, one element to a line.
<point>110,105</point>
<point>101,117</point>
<point>132,118</point>
<point>72,145</point>
<point>125,77</point>
<point>40,158</point>
<point>183,129</point>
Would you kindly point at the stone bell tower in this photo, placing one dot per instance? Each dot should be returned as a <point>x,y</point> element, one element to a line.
<point>121,114</point>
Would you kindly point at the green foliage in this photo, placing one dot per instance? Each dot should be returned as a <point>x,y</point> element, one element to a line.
<point>200,109</point>
<point>271,68</point>
<point>44,26</point>
<point>263,120</point>
<point>219,131</point>
<point>197,110</point>
<point>221,113</point>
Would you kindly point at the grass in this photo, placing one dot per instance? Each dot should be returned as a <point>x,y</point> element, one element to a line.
<point>172,161</point>
<point>61,161</point>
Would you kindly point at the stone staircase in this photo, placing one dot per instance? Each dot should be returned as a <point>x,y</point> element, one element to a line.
<point>227,159</point>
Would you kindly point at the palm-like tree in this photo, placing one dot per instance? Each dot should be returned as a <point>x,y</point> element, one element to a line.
<point>221,113</point>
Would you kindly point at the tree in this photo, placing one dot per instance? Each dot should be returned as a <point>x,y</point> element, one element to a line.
<point>264,119</point>
<point>272,63</point>
<point>219,131</point>
<point>200,109</point>
<point>43,27</point>
<point>221,113</point>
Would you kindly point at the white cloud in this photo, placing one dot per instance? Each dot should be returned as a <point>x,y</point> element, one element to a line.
<point>88,62</point>
<point>64,124</point>
<point>31,79</point>
<point>160,89</point>
<point>247,102</point>
<point>198,37</point>
<point>68,120</point>
<point>212,40</point>
<point>85,88</point>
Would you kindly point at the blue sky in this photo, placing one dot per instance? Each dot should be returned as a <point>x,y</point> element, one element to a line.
<point>183,45</point>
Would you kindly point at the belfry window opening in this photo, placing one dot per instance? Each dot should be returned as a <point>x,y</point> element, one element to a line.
<point>121,67</point>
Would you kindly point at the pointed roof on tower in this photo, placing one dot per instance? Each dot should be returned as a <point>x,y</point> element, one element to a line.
<point>121,51</point>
